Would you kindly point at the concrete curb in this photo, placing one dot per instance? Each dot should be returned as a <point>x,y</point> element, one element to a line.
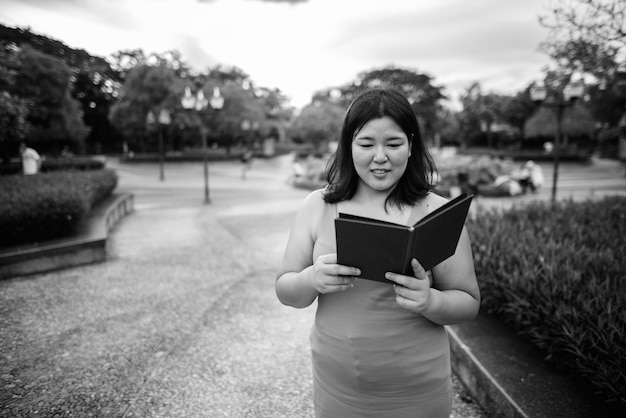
<point>479,382</point>
<point>87,247</point>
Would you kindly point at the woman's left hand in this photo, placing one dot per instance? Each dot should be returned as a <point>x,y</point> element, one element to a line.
<point>412,293</point>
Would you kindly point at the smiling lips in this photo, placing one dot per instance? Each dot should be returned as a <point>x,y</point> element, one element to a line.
<point>379,171</point>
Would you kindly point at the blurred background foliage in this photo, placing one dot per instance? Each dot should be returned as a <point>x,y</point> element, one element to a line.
<point>56,97</point>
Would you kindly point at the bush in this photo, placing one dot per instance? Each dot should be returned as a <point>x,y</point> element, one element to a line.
<point>56,164</point>
<point>49,205</point>
<point>557,275</point>
<point>469,172</point>
<point>73,163</point>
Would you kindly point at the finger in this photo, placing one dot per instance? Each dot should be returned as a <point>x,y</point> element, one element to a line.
<point>343,281</point>
<point>400,279</point>
<point>407,303</point>
<point>408,282</point>
<point>329,258</point>
<point>404,292</point>
<point>419,271</point>
<point>340,285</point>
<point>339,270</point>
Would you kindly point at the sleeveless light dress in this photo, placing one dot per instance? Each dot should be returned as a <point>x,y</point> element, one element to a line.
<point>372,358</point>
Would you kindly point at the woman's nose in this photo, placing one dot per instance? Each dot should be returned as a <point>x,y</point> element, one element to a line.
<point>380,156</point>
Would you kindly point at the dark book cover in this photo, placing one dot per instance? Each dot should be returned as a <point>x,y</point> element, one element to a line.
<point>376,247</point>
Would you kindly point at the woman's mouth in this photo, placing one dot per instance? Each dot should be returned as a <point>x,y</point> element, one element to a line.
<point>379,171</point>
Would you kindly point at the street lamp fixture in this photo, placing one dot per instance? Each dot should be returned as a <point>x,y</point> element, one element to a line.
<point>567,97</point>
<point>163,119</point>
<point>199,103</point>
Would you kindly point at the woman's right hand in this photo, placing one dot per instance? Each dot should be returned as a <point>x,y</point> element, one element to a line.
<point>330,277</point>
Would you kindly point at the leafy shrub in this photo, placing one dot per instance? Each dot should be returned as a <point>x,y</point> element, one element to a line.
<point>73,163</point>
<point>558,275</point>
<point>49,205</point>
<point>56,164</point>
<point>470,171</point>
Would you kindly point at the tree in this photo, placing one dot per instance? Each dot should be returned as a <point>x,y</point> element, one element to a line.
<point>317,124</point>
<point>54,118</point>
<point>125,60</point>
<point>485,114</point>
<point>13,109</point>
<point>146,88</point>
<point>277,112</point>
<point>418,88</point>
<point>242,118</point>
<point>250,112</point>
<point>589,36</point>
<point>94,82</point>
<point>577,122</point>
<point>518,109</point>
<point>448,127</point>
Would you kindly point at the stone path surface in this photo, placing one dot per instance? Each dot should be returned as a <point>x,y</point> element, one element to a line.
<point>182,320</point>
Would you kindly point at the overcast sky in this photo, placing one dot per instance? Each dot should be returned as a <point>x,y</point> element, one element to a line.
<point>301,46</point>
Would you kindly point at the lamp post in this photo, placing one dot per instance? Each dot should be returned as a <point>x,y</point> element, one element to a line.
<point>163,119</point>
<point>561,100</point>
<point>199,103</point>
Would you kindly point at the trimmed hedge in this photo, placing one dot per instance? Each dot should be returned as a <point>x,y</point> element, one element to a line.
<point>49,205</point>
<point>72,163</point>
<point>56,164</point>
<point>558,275</point>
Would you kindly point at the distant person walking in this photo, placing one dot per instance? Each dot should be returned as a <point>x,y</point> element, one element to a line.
<point>31,160</point>
<point>246,158</point>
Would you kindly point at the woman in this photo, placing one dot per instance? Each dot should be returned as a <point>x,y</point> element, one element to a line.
<point>377,349</point>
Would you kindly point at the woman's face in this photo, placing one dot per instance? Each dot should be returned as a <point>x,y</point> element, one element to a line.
<point>380,153</point>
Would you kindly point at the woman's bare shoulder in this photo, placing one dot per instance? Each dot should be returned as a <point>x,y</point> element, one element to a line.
<point>434,201</point>
<point>314,202</point>
<point>316,197</point>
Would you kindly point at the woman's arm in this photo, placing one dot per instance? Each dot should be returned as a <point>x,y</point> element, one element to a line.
<point>293,282</point>
<point>455,296</point>
<point>299,280</point>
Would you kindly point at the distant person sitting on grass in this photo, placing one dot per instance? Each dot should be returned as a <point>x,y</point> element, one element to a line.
<point>530,177</point>
<point>31,161</point>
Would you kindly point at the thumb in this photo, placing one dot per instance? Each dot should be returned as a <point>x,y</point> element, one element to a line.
<point>419,271</point>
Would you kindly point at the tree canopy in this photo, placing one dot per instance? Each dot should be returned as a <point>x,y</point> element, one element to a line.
<point>318,123</point>
<point>419,89</point>
<point>93,82</point>
<point>43,84</point>
<point>577,122</point>
<point>589,37</point>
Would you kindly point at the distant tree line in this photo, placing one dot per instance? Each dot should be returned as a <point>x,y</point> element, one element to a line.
<point>55,96</point>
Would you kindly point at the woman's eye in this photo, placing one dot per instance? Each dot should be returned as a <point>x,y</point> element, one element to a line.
<point>395,145</point>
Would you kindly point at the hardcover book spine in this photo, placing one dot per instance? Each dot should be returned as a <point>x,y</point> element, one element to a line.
<point>408,270</point>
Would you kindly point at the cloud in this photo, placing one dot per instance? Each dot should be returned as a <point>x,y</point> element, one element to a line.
<point>266,1</point>
<point>455,41</point>
<point>300,46</point>
<point>283,1</point>
<point>194,53</point>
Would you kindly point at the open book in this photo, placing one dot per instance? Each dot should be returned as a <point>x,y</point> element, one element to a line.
<point>376,247</point>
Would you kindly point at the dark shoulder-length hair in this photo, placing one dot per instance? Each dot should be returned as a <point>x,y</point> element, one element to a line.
<point>377,103</point>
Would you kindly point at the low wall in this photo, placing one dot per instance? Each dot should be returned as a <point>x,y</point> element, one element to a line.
<point>89,246</point>
<point>479,382</point>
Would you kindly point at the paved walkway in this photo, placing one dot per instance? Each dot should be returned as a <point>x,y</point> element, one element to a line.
<point>182,321</point>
